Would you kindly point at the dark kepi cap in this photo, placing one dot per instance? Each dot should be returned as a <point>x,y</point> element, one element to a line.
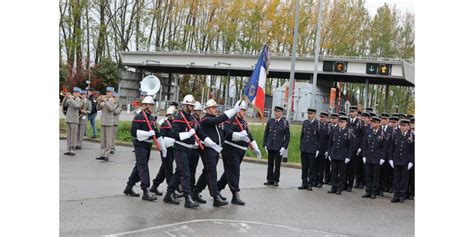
<point>278,108</point>
<point>370,109</point>
<point>404,121</point>
<point>366,114</point>
<point>312,110</point>
<point>323,114</point>
<point>410,116</point>
<point>342,113</point>
<point>384,115</point>
<point>412,119</point>
<point>359,112</point>
<point>353,108</point>
<point>395,115</point>
<point>373,114</point>
<point>393,118</point>
<point>334,115</point>
<point>375,119</point>
<point>343,118</point>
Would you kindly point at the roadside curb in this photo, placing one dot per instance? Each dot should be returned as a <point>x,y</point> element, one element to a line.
<point>246,159</point>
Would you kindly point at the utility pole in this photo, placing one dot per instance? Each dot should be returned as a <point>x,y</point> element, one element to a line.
<point>316,55</point>
<point>293,61</point>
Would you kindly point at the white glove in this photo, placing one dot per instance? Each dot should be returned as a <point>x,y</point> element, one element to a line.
<point>326,154</point>
<point>161,121</point>
<point>255,149</point>
<point>237,109</point>
<point>143,135</point>
<point>363,159</point>
<point>209,142</point>
<point>185,135</point>
<point>358,151</point>
<point>329,158</point>
<point>244,132</point>
<point>240,136</point>
<point>317,153</point>
<point>266,150</point>
<point>231,112</point>
<point>382,161</point>
<point>347,160</point>
<point>162,146</point>
<point>216,148</point>
<point>410,165</point>
<point>169,142</point>
<point>391,163</point>
<point>282,150</point>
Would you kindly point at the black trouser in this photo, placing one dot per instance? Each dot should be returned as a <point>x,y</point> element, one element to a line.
<point>182,174</point>
<point>360,170</point>
<point>372,174</point>
<point>232,157</point>
<point>411,182</point>
<point>327,170</point>
<point>350,171</point>
<point>318,169</point>
<point>209,173</point>
<point>338,174</point>
<point>386,175</point>
<point>140,171</point>
<point>400,180</point>
<point>307,164</point>
<point>166,168</point>
<point>193,163</point>
<point>273,166</point>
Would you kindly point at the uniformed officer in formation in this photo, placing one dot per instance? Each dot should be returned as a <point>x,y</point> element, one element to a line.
<point>411,176</point>
<point>339,151</point>
<point>320,161</point>
<point>386,171</point>
<point>185,143</point>
<point>355,168</point>
<point>196,154</point>
<point>374,148</point>
<point>276,140</point>
<point>235,146</point>
<point>142,143</point>
<point>309,147</point>
<point>401,155</point>
<point>212,124</point>
<point>116,119</point>
<point>86,107</point>
<point>166,169</point>
<point>73,104</point>
<point>107,105</point>
<point>327,166</point>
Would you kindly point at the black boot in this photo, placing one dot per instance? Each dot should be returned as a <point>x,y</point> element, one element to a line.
<point>366,195</point>
<point>310,187</point>
<point>219,202</point>
<point>372,196</point>
<point>236,199</point>
<point>197,198</point>
<point>394,200</point>
<point>148,196</point>
<point>268,183</point>
<point>222,197</point>
<point>189,203</point>
<point>303,186</point>
<point>154,189</point>
<point>129,191</point>
<point>349,188</point>
<point>170,199</point>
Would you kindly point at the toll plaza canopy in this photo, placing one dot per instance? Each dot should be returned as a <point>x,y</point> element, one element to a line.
<point>331,68</point>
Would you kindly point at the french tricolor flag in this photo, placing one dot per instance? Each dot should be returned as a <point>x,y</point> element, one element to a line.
<point>255,89</point>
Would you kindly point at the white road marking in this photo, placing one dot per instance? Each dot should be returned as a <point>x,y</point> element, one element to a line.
<point>243,223</point>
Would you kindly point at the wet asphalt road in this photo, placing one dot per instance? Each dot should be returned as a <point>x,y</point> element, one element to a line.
<point>92,204</point>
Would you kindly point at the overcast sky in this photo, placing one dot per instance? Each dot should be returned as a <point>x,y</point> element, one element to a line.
<point>402,5</point>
